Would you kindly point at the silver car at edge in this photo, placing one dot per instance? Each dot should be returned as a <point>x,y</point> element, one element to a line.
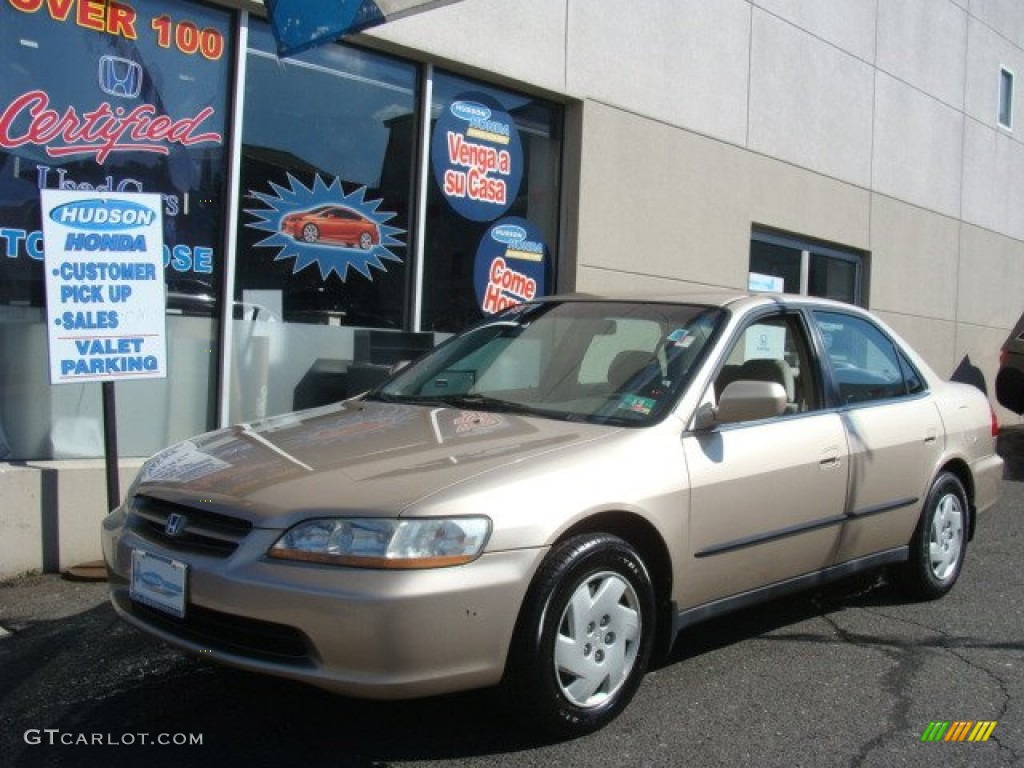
<point>545,500</point>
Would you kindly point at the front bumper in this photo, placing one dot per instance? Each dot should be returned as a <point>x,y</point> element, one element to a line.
<point>367,633</point>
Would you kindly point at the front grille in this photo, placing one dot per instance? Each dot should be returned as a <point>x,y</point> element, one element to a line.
<point>226,632</point>
<point>205,532</point>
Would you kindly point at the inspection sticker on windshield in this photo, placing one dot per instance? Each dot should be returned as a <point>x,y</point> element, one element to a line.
<point>158,582</point>
<point>681,337</point>
<point>637,404</point>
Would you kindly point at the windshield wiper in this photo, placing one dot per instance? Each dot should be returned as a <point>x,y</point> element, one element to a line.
<point>483,402</point>
<point>383,397</point>
<point>469,401</point>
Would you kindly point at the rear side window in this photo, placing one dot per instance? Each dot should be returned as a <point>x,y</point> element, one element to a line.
<point>866,364</point>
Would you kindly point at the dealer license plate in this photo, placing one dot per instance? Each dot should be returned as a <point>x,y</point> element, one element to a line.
<point>159,582</point>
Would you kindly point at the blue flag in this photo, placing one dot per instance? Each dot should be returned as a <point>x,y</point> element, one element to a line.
<point>302,24</point>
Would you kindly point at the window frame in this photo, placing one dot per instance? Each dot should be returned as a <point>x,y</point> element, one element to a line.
<point>408,314</point>
<point>907,370</point>
<point>807,248</point>
<point>1004,103</point>
<point>812,386</point>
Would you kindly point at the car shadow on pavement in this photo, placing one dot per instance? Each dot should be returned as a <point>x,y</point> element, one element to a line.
<point>1010,446</point>
<point>729,629</point>
<point>90,678</point>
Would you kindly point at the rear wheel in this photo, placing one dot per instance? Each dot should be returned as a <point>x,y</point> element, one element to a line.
<point>584,636</point>
<point>939,545</point>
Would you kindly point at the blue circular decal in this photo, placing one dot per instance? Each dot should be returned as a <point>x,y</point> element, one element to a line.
<point>511,265</point>
<point>477,157</point>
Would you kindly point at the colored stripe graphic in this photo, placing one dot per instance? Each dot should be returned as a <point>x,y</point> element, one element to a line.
<point>959,730</point>
<point>982,730</point>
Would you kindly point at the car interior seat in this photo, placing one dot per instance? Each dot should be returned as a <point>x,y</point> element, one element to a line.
<point>626,365</point>
<point>778,371</point>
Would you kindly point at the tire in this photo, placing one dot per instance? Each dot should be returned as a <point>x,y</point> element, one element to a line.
<point>584,636</point>
<point>365,241</point>
<point>310,233</point>
<point>939,545</point>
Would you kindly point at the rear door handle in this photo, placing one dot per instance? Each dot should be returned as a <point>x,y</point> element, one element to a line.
<point>830,458</point>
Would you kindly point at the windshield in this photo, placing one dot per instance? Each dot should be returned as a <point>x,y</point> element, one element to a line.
<point>603,362</point>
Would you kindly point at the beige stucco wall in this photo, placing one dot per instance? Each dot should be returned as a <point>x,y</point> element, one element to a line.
<point>52,512</point>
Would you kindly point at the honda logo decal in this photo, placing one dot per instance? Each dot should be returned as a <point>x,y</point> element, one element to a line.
<point>120,77</point>
<point>175,524</point>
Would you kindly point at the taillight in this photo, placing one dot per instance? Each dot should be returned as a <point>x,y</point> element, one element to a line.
<point>1003,354</point>
<point>995,422</point>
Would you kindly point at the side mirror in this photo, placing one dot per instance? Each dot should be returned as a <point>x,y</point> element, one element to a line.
<point>742,401</point>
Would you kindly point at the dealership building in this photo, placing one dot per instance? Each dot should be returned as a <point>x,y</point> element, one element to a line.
<point>328,213</point>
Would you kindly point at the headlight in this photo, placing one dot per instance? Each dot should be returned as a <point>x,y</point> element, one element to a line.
<point>377,543</point>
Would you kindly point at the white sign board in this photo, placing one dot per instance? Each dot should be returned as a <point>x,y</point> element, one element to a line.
<point>770,283</point>
<point>765,342</point>
<point>105,293</point>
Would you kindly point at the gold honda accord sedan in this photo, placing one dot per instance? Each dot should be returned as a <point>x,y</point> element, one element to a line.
<point>546,499</point>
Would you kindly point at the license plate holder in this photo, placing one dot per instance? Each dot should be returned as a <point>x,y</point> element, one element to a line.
<point>159,582</point>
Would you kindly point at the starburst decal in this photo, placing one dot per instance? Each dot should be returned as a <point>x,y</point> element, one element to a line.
<point>317,247</point>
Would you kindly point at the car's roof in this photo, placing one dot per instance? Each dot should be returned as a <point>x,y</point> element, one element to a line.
<point>740,302</point>
<point>734,299</point>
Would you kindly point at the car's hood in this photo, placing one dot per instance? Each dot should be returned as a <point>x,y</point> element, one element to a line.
<point>368,458</point>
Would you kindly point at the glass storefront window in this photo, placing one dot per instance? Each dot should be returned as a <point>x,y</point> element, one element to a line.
<point>326,295</point>
<point>345,258</point>
<point>322,269</point>
<point>123,98</point>
<point>492,202</point>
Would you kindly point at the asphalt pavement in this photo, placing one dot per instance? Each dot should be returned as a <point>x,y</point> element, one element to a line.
<point>850,675</point>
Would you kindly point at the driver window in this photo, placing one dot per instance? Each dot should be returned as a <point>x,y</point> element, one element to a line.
<point>774,349</point>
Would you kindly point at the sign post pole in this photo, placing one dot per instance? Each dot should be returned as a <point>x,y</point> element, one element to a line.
<point>110,445</point>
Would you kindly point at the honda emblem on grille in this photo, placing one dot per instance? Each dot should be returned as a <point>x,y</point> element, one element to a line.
<point>120,77</point>
<point>175,524</point>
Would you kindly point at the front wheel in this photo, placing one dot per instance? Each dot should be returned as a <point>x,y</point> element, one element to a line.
<point>939,545</point>
<point>310,233</point>
<point>584,636</point>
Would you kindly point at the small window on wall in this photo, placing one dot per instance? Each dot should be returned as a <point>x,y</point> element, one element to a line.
<point>787,264</point>
<point>1006,98</point>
